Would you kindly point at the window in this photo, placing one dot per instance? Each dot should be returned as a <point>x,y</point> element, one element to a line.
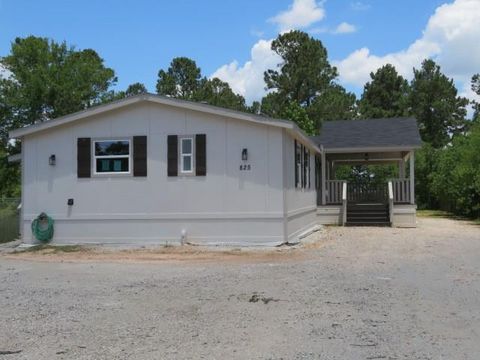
<point>186,155</point>
<point>306,168</point>
<point>112,156</point>
<point>298,165</point>
<point>302,166</point>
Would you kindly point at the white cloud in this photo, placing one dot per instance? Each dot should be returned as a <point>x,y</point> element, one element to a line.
<point>359,6</point>
<point>247,79</point>
<point>345,28</point>
<point>300,14</point>
<point>342,28</point>
<point>466,91</point>
<point>450,38</point>
<point>4,73</point>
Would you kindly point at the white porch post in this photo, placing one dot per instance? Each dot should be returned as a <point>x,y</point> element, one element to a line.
<point>412,177</point>
<point>324,160</point>
<point>401,169</point>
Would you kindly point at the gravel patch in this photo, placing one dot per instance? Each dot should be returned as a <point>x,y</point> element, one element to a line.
<point>356,293</point>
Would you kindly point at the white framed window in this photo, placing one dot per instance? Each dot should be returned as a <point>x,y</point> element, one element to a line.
<point>186,155</point>
<point>298,164</point>
<point>111,156</point>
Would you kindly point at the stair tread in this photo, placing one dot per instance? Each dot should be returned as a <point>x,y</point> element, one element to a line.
<point>383,223</point>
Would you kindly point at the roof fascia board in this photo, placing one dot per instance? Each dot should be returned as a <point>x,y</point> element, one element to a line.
<point>371,149</point>
<point>296,131</point>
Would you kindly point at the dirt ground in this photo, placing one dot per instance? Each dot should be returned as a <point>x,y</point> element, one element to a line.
<point>351,293</point>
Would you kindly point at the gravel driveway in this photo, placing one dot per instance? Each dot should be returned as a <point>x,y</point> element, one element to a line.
<point>359,293</point>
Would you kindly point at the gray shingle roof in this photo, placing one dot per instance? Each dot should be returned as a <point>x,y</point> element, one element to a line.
<point>391,132</point>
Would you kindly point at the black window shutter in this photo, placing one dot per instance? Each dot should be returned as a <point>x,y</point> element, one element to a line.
<point>201,154</point>
<point>140,156</point>
<point>295,152</point>
<point>172,155</point>
<point>308,164</point>
<point>302,165</point>
<point>305,165</point>
<point>84,156</point>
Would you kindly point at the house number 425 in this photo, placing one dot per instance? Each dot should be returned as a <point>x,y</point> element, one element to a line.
<point>245,167</point>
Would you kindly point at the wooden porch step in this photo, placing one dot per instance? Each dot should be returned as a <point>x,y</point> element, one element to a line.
<point>368,219</point>
<point>367,214</point>
<point>362,223</point>
<point>367,206</point>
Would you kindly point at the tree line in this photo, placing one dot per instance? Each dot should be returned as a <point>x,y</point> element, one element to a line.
<point>46,79</point>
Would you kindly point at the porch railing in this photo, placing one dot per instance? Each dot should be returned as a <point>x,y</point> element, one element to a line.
<point>401,190</point>
<point>334,191</point>
<point>366,192</point>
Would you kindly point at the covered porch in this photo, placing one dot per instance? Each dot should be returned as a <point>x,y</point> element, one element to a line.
<point>368,142</point>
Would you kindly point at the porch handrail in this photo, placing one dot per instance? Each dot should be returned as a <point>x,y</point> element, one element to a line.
<point>367,192</point>
<point>344,202</point>
<point>334,191</point>
<point>401,190</point>
<point>390,201</point>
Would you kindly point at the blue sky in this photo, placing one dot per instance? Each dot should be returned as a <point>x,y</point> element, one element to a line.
<point>137,38</point>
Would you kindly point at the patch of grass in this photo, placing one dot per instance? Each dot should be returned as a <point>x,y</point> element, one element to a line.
<point>435,213</point>
<point>445,215</point>
<point>52,249</point>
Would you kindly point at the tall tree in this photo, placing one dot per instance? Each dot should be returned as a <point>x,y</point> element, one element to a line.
<point>476,89</point>
<point>434,102</point>
<point>476,83</point>
<point>132,89</point>
<point>305,77</point>
<point>273,104</point>
<point>386,95</point>
<point>456,179</point>
<point>45,80</point>
<point>218,93</point>
<point>304,72</point>
<point>335,103</point>
<point>50,79</point>
<point>135,89</point>
<point>294,112</point>
<point>181,80</point>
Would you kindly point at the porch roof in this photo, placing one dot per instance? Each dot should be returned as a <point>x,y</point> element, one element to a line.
<point>390,134</point>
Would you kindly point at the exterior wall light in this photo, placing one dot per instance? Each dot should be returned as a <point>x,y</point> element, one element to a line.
<point>52,160</point>
<point>244,154</point>
<point>366,156</point>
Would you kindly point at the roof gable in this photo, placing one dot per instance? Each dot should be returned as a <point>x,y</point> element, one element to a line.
<point>183,104</point>
<point>189,105</point>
